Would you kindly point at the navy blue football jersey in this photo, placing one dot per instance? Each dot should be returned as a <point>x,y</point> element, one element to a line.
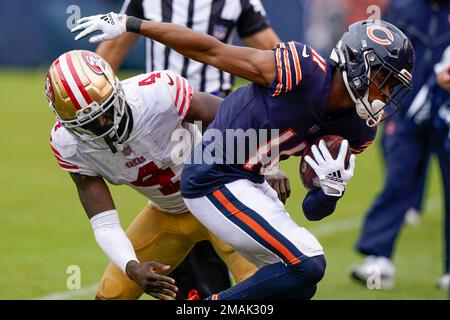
<point>283,117</point>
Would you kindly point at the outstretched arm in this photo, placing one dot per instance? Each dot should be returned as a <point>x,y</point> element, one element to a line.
<point>251,64</point>
<point>99,206</point>
<point>248,63</point>
<point>265,39</point>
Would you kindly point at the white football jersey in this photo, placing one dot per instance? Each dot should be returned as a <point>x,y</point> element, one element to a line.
<point>150,160</point>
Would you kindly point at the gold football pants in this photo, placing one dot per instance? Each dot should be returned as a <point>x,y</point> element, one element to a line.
<point>166,238</point>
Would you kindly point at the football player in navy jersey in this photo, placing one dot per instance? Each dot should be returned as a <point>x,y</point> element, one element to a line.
<point>294,96</point>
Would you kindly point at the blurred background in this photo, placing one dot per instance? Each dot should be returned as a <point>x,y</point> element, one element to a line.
<point>33,34</point>
<point>44,230</point>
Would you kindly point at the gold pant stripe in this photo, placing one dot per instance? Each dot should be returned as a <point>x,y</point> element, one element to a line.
<point>166,238</point>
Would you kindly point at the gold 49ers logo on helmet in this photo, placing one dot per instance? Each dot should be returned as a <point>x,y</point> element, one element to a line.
<point>94,62</point>
<point>49,89</point>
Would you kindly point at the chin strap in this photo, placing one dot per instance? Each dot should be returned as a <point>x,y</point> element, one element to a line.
<point>110,142</point>
<point>123,132</point>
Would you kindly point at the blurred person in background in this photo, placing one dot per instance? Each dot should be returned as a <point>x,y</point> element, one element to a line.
<point>324,24</point>
<point>406,149</point>
<point>327,19</point>
<point>358,10</point>
<point>202,269</point>
<point>429,115</point>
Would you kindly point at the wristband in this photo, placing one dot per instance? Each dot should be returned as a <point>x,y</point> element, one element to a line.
<point>133,24</point>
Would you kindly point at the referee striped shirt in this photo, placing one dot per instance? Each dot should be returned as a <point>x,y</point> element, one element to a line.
<point>222,19</point>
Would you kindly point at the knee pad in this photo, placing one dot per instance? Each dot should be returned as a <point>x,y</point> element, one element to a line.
<point>308,294</point>
<point>305,294</point>
<point>310,270</point>
<point>316,267</point>
<point>112,289</point>
<point>302,279</point>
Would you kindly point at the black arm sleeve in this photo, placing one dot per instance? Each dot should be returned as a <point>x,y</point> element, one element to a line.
<point>252,18</point>
<point>133,8</point>
<point>317,205</point>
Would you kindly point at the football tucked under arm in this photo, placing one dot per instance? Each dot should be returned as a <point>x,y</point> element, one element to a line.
<point>333,167</point>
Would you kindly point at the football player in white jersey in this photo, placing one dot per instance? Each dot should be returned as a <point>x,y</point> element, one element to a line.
<point>121,132</point>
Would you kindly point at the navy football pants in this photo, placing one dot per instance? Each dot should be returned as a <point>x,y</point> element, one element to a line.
<point>388,141</point>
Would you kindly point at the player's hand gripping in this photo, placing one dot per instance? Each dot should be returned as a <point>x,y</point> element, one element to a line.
<point>332,173</point>
<point>111,25</point>
<point>280,183</point>
<point>146,276</point>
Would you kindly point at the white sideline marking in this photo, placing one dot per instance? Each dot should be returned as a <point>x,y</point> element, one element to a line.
<point>335,227</point>
<point>70,294</point>
<point>320,231</point>
<point>351,223</point>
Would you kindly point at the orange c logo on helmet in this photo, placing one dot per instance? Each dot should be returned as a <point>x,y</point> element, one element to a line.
<point>386,41</point>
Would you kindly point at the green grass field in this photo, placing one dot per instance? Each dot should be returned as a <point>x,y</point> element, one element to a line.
<point>44,229</point>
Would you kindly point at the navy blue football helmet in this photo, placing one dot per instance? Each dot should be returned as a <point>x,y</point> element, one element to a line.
<point>369,50</point>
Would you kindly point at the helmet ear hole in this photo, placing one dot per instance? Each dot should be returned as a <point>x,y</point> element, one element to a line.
<point>334,56</point>
<point>395,52</point>
<point>353,60</point>
<point>352,57</point>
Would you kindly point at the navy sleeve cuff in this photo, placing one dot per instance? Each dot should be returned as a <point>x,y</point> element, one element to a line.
<point>317,205</point>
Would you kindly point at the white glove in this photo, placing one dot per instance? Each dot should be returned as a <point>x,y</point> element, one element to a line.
<point>332,173</point>
<point>111,24</point>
